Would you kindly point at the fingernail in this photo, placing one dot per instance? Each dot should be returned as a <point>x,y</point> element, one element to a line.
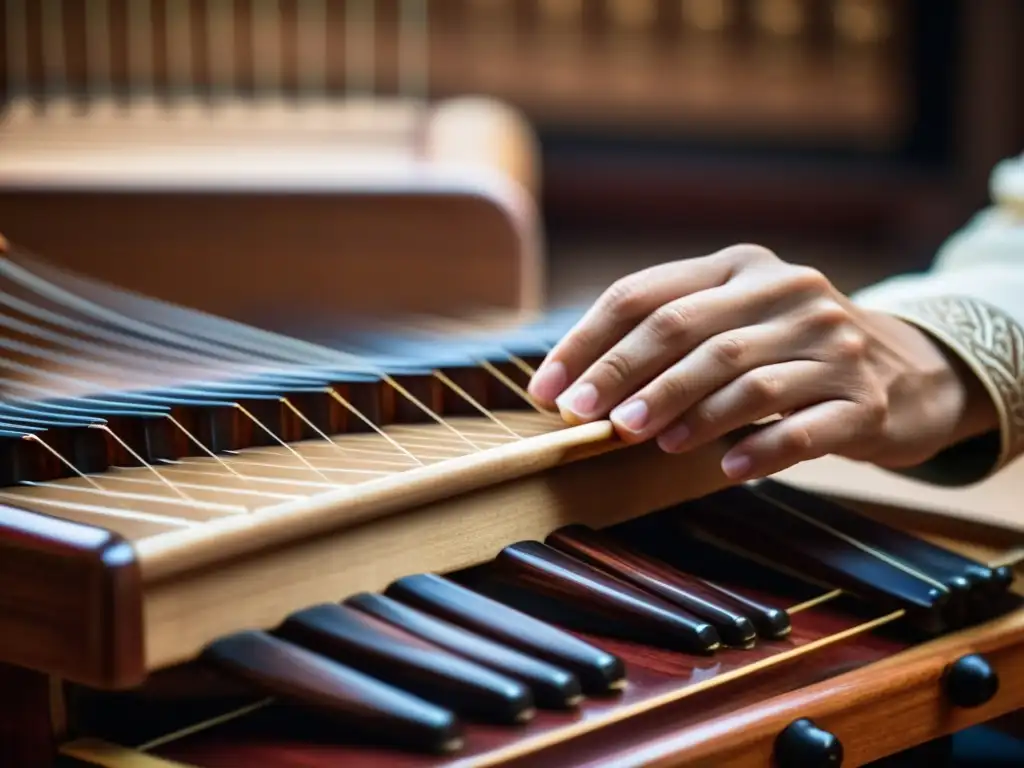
<point>673,438</point>
<point>632,415</point>
<point>581,400</point>
<point>549,381</point>
<point>736,467</point>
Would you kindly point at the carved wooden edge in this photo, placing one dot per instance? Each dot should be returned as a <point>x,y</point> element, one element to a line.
<point>989,342</point>
<point>70,600</point>
<point>875,711</point>
<point>495,143</point>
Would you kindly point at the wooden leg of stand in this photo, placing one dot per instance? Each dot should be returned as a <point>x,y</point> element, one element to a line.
<point>26,727</point>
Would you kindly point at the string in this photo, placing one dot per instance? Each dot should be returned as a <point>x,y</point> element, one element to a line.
<point>360,47</point>
<point>522,393</point>
<point>815,601</point>
<point>416,401</point>
<point>202,447</point>
<point>17,49</point>
<point>413,59</point>
<point>888,559</point>
<point>229,509</point>
<point>178,37</point>
<point>140,63</point>
<point>265,28</point>
<point>313,17</point>
<point>113,512</point>
<point>284,344</point>
<point>142,461</point>
<point>285,445</point>
<point>68,464</point>
<point>118,479</point>
<point>369,422</point>
<point>98,46</point>
<point>8,384</point>
<point>53,47</point>
<point>219,19</point>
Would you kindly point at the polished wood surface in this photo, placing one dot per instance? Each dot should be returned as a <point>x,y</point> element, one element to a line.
<point>703,598</point>
<point>561,588</point>
<point>353,700</point>
<point>552,687</point>
<point>392,655</point>
<point>598,671</point>
<point>739,519</point>
<point>71,605</point>
<point>672,707</point>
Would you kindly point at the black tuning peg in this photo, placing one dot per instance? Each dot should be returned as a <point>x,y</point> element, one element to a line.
<point>802,744</point>
<point>970,681</point>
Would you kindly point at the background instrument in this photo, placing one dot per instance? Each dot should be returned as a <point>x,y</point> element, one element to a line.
<point>200,516</point>
<point>175,168</point>
<point>659,133</point>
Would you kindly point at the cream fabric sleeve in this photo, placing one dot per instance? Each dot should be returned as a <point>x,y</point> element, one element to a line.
<point>972,300</point>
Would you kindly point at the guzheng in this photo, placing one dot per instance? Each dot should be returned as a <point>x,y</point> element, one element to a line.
<point>221,546</point>
<point>768,70</point>
<point>179,163</point>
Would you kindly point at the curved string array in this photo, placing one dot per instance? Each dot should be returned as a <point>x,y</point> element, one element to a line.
<point>154,382</point>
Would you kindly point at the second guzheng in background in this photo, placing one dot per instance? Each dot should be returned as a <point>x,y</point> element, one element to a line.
<point>185,145</point>
<point>226,547</point>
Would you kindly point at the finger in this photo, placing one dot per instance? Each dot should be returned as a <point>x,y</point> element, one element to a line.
<point>758,394</point>
<point>814,432</point>
<point>619,310</point>
<point>712,365</point>
<point>668,334</point>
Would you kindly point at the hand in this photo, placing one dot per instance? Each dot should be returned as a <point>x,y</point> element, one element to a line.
<point>690,351</point>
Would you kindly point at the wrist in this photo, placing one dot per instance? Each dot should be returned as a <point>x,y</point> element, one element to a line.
<point>983,348</point>
<point>935,400</point>
<point>975,412</point>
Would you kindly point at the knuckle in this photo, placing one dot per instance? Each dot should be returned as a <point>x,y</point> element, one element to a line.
<point>624,297</point>
<point>804,279</point>
<point>728,350</point>
<point>763,387</point>
<point>876,407</point>
<point>675,392</point>
<point>670,322</point>
<point>850,344</point>
<point>701,417</point>
<point>750,254</point>
<point>829,314</point>
<point>795,441</point>
<point>614,367</point>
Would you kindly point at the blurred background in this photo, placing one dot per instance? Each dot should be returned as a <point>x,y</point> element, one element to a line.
<point>854,135</point>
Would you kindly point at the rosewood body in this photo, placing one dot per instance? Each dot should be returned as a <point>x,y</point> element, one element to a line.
<point>72,602</point>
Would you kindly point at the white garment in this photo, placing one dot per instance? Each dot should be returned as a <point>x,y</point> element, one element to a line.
<point>972,299</point>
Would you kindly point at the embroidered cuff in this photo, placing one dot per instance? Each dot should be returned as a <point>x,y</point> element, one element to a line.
<point>991,344</point>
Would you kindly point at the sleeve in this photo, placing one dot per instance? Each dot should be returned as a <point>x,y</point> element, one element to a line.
<point>972,301</point>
